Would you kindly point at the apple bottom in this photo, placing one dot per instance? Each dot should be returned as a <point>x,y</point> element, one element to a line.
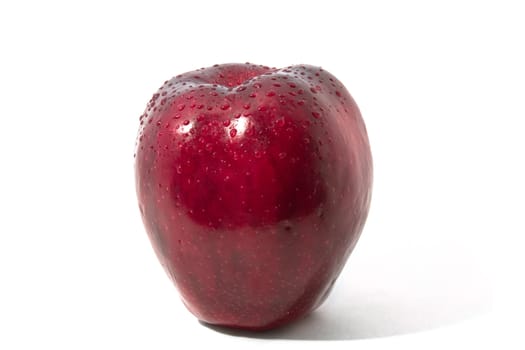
<point>256,318</point>
<point>299,311</point>
<point>255,278</point>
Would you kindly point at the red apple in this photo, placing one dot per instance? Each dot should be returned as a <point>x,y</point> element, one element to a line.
<point>254,184</point>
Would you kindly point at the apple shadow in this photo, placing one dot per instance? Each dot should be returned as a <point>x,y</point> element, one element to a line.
<point>375,314</point>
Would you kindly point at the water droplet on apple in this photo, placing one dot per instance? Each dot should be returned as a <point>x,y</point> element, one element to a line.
<point>233,132</point>
<point>316,115</point>
<point>225,106</point>
<point>257,85</point>
<point>253,94</point>
<point>280,122</point>
<point>282,155</point>
<point>246,106</point>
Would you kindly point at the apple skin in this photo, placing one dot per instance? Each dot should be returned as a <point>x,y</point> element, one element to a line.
<point>254,185</point>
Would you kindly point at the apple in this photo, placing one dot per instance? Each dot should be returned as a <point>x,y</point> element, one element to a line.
<point>254,185</point>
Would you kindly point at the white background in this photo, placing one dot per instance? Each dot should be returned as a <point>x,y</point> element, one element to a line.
<point>441,86</point>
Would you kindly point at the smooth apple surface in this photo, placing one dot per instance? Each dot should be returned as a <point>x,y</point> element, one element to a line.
<point>254,184</point>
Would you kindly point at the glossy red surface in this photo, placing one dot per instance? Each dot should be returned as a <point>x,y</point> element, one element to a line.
<point>254,185</point>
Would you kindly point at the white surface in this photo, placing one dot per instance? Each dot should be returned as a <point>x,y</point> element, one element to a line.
<point>441,88</point>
